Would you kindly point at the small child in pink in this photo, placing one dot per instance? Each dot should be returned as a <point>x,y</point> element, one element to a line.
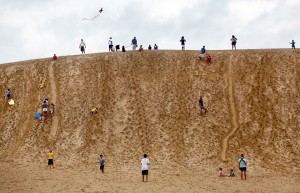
<point>220,172</point>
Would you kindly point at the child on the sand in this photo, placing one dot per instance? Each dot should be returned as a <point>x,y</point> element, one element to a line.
<point>232,174</point>
<point>202,108</point>
<point>101,162</point>
<point>220,172</point>
<point>208,59</point>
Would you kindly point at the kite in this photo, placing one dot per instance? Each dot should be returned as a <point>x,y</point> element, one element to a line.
<point>100,11</point>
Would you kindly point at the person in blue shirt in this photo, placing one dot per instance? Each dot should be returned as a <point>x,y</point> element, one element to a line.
<point>293,44</point>
<point>243,166</point>
<point>203,53</point>
<point>134,43</point>
<point>155,47</point>
<point>7,92</point>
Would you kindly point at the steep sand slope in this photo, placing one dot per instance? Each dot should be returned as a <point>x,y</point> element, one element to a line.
<point>148,103</point>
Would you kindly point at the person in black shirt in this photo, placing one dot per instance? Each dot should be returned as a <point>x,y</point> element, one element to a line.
<point>202,108</point>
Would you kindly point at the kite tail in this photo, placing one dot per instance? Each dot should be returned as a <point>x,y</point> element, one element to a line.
<point>91,18</point>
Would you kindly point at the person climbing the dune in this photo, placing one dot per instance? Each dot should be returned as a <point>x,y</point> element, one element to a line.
<point>45,107</point>
<point>182,40</point>
<point>243,166</point>
<point>82,46</point>
<point>202,107</point>
<point>50,159</point>
<point>101,162</point>
<point>54,57</point>
<point>52,108</point>
<point>8,93</point>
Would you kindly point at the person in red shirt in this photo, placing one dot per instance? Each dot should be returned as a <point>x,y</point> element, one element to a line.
<point>208,59</point>
<point>54,57</point>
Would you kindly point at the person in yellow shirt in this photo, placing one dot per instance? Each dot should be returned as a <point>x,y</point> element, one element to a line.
<point>50,159</point>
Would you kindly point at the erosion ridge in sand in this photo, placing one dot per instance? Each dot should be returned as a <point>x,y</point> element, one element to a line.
<point>148,103</point>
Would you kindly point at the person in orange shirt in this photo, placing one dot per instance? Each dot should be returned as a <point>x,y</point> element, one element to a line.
<point>50,159</point>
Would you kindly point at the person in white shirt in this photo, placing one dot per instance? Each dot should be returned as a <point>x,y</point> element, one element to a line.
<point>145,162</point>
<point>82,46</point>
<point>110,44</point>
<point>243,166</point>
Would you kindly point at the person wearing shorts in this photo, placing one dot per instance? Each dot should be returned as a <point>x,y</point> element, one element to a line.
<point>110,45</point>
<point>145,162</point>
<point>182,43</point>
<point>101,161</point>
<point>45,108</point>
<point>50,159</point>
<point>82,46</point>
<point>233,42</point>
<point>243,166</point>
<point>203,53</point>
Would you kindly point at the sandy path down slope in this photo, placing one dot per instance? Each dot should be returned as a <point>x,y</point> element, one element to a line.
<point>232,109</point>
<point>53,99</point>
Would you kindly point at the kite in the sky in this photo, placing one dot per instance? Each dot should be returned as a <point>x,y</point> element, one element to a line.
<point>100,11</point>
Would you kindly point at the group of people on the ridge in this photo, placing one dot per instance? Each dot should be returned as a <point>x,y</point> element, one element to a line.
<point>111,48</point>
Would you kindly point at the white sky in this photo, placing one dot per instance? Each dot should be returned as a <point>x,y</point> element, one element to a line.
<point>39,28</point>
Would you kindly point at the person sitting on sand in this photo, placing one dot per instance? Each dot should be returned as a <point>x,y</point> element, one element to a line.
<point>149,47</point>
<point>141,48</point>
<point>94,111</point>
<point>208,59</point>
<point>220,173</point>
<point>54,57</point>
<point>155,47</point>
<point>232,174</point>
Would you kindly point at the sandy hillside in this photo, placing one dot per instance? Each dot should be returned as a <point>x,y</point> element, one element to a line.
<point>148,103</point>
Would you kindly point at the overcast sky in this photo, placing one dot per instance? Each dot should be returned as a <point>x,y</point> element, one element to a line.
<point>32,29</point>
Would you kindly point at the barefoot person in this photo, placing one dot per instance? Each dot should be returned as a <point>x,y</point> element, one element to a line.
<point>293,44</point>
<point>50,159</point>
<point>220,173</point>
<point>145,162</point>
<point>243,166</point>
<point>101,162</point>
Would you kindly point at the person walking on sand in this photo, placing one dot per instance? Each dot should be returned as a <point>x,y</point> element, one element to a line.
<point>134,43</point>
<point>82,46</point>
<point>293,44</point>
<point>202,107</point>
<point>101,162</point>
<point>8,92</point>
<point>243,166</point>
<point>233,42</point>
<point>110,44</point>
<point>182,43</point>
<point>50,159</point>
<point>145,162</point>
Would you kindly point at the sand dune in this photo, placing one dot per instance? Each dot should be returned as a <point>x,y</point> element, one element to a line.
<point>148,103</point>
